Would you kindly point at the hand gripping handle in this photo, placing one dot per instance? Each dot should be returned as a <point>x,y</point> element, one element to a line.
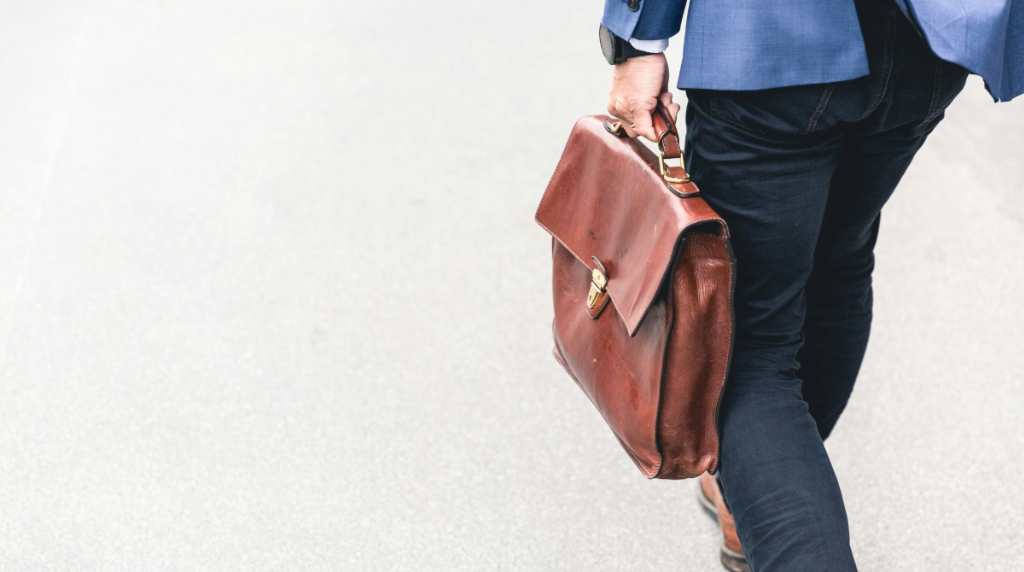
<point>668,145</point>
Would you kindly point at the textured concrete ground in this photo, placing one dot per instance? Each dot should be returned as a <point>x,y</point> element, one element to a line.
<point>271,298</point>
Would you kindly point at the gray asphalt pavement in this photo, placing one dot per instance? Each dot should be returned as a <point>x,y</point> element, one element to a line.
<point>272,298</point>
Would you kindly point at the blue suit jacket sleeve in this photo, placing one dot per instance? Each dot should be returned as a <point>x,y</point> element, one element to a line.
<point>655,20</point>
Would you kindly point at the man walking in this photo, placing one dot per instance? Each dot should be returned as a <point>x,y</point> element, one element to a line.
<point>802,117</point>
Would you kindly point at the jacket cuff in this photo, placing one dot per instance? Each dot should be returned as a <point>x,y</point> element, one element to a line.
<point>619,18</point>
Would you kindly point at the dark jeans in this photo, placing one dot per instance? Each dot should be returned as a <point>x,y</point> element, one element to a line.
<point>800,174</point>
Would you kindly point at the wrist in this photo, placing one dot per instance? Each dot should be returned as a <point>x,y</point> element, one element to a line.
<point>653,63</point>
<point>617,50</point>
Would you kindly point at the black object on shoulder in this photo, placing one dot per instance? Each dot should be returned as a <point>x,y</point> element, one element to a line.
<point>615,49</point>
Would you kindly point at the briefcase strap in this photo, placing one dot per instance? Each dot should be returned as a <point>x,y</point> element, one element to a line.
<point>669,147</point>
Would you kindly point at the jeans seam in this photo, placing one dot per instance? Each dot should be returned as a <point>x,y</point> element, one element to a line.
<point>883,79</point>
<point>826,96</point>
<point>933,108</point>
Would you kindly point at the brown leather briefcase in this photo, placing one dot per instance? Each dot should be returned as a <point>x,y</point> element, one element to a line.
<point>643,278</point>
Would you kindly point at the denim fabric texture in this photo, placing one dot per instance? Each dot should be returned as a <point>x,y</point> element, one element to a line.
<point>761,44</point>
<point>801,174</point>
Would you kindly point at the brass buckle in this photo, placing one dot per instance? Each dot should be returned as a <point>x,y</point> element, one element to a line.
<point>664,171</point>
<point>598,281</point>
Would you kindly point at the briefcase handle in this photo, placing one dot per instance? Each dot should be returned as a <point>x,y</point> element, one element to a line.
<point>668,144</point>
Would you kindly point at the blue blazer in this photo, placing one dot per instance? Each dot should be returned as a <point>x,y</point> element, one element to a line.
<point>760,44</point>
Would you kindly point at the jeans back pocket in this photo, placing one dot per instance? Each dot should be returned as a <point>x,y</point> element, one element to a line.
<point>793,110</point>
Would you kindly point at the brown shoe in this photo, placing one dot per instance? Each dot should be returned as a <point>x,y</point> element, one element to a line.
<point>710,498</point>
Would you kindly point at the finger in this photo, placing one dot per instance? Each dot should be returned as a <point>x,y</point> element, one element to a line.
<point>665,98</point>
<point>673,108</point>
<point>644,125</point>
<point>621,111</point>
<point>618,110</point>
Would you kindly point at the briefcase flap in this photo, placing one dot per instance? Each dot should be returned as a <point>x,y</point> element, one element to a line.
<point>608,200</point>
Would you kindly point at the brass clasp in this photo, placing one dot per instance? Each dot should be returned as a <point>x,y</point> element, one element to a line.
<point>664,170</point>
<point>598,281</point>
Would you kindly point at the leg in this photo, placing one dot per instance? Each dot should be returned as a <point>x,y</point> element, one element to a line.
<point>764,167</point>
<point>800,175</point>
<point>838,315</point>
<point>839,295</point>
